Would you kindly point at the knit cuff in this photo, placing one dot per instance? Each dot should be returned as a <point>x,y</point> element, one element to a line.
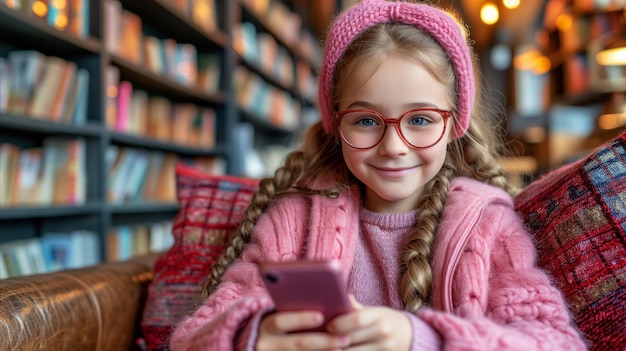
<point>245,339</point>
<point>425,338</point>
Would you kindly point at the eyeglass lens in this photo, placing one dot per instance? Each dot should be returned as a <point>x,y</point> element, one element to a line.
<point>365,129</point>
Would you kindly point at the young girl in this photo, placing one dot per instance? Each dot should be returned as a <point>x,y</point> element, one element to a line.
<point>399,183</point>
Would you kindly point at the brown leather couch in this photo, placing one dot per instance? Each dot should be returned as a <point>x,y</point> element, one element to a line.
<point>95,308</point>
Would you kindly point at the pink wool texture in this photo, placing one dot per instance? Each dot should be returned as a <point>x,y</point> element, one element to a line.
<point>487,293</point>
<point>368,13</point>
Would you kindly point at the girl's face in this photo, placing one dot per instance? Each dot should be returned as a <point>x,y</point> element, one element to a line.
<point>394,174</point>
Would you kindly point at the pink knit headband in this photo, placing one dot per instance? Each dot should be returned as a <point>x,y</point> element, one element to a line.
<point>438,24</point>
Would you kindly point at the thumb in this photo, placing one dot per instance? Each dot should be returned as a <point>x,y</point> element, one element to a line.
<point>355,303</point>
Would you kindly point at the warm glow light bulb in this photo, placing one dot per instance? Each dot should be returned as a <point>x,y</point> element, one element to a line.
<point>40,8</point>
<point>612,57</point>
<point>489,13</point>
<point>511,4</point>
<point>564,22</point>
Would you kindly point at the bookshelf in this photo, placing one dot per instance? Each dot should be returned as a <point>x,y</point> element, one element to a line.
<point>110,137</point>
<point>575,92</point>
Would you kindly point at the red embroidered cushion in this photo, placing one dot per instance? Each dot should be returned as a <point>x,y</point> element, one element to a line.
<point>577,215</point>
<point>211,207</point>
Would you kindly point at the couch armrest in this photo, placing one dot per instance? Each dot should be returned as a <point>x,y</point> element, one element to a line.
<point>94,308</point>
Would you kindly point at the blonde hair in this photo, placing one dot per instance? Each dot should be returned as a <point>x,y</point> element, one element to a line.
<point>320,158</point>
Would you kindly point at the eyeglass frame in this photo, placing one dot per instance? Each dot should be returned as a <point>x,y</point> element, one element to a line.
<point>445,114</point>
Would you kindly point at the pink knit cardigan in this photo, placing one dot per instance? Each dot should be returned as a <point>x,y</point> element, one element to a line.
<point>487,292</point>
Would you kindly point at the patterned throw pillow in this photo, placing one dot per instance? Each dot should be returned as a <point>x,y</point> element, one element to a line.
<point>577,215</point>
<point>211,207</point>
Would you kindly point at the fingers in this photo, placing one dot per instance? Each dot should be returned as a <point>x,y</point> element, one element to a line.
<point>355,303</point>
<point>375,328</point>
<point>285,322</point>
<point>302,342</point>
<point>276,333</point>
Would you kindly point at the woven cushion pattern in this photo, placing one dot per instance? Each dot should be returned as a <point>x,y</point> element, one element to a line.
<point>211,207</point>
<point>577,215</point>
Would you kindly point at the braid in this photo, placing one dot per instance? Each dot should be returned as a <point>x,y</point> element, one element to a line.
<point>416,280</point>
<point>319,160</point>
<point>282,181</point>
<point>476,154</point>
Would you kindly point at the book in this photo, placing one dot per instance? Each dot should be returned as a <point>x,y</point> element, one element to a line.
<point>141,241</point>
<point>170,47</point>
<point>51,157</point>
<point>23,257</point>
<point>125,92</point>
<point>153,54</point>
<point>130,37</point>
<point>69,183</point>
<point>34,252</point>
<point>135,180</point>
<point>45,92</point>
<point>209,72</point>
<point>203,14</point>
<point>119,175</point>
<point>124,234</point>
<point>28,177</point>
<point>63,89</point>
<point>158,124</point>
<point>151,183</point>
<point>70,250</point>
<point>4,272</point>
<point>186,64</point>
<point>138,115</point>
<point>58,14</point>
<point>182,122</point>
<point>9,164</point>
<point>111,81</point>
<point>166,191</point>
<point>75,106</point>
<point>79,20</point>
<point>206,138</point>
<point>112,20</point>
<point>5,84</point>
<point>26,67</point>
<point>161,237</point>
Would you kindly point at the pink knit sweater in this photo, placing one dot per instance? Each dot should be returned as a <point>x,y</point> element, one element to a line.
<point>487,293</point>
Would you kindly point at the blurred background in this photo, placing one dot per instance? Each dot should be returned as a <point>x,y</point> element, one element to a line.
<point>101,102</point>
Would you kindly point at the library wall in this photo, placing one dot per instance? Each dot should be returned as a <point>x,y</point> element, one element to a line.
<point>100,99</point>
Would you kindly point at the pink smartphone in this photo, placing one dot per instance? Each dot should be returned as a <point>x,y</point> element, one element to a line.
<point>307,285</point>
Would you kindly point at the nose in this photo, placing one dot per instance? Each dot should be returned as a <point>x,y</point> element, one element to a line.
<point>392,144</point>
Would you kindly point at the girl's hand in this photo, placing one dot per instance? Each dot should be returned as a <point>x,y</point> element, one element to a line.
<point>274,329</point>
<point>374,328</point>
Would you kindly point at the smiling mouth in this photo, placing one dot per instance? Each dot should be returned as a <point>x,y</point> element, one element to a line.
<point>394,172</point>
<point>385,169</point>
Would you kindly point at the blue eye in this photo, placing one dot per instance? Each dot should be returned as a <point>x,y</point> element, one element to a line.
<point>418,121</point>
<point>367,122</point>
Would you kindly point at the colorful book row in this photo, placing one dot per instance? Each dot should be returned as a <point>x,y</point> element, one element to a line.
<point>49,253</point>
<point>44,87</point>
<point>274,105</point>
<point>55,251</point>
<point>126,242</point>
<point>53,174</point>
<point>141,176</point>
<point>134,111</point>
<point>180,62</point>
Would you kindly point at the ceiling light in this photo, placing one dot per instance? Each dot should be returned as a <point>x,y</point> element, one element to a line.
<point>489,13</point>
<point>511,4</point>
<point>613,51</point>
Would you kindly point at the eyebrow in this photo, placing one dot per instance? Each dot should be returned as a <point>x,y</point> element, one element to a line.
<point>410,106</point>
